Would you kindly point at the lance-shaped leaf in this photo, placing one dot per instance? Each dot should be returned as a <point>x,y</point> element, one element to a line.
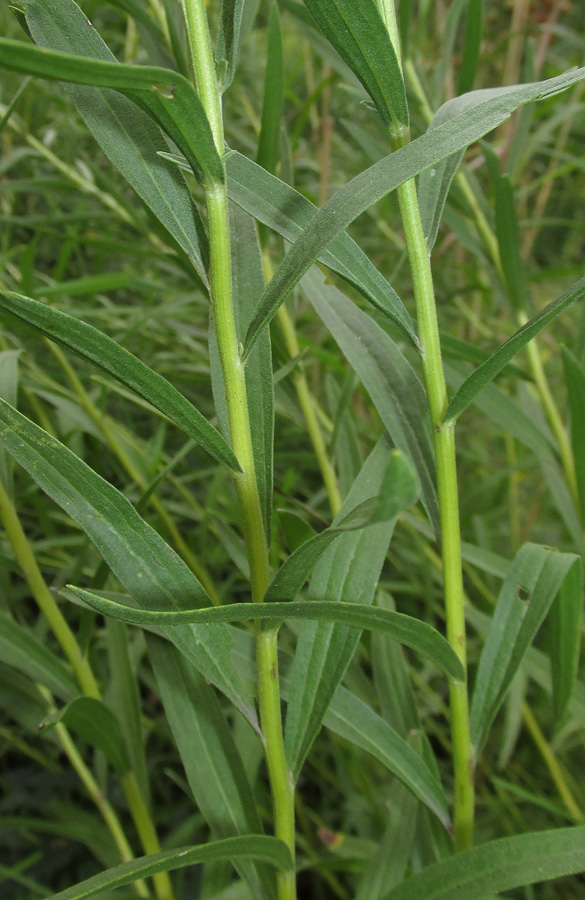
<point>228,39</point>
<point>399,490</point>
<point>91,344</point>
<point>20,649</point>
<point>166,95</point>
<point>137,555</point>
<point>407,630</point>
<point>93,721</point>
<point>356,29</point>
<point>498,866</point>
<point>484,111</point>
<point>564,639</point>
<point>533,581</point>
<point>256,846</point>
<point>488,370</point>
<point>126,134</point>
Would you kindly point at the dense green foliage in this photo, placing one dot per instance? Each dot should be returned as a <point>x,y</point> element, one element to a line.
<point>141,528</point>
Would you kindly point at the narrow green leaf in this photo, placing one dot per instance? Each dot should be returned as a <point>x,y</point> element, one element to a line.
<point>387,376</point>
<point>143,562</point>
<point>408,631</point>
<point>356,29</point>
<point>8,392</point>
<point>125,133</point>
<point>213,766</point>
<point>265,849</point>
<point>90,343</point>
<point>399,490</point>
<point>20,649</point>
<point>564,638</point>
<point>533,581</point>
<point>287,212</point>
<point>228,39</point>
<point>489,369</point>
<point>166,95</point>
<point>93,721</point>
<point>479,112</point>
<point>575,383</point>
<point>499,866</point>
<point>272,107</point>
<point>471,45</point>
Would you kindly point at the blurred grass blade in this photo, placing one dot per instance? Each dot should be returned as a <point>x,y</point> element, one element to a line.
<point>213,766</point>
<point>286,211</point>
<point>93,721</point>
<point>259,847</point>
<point>575,384</point>
<point>22,650</point>
<point>471,45</point>
<point>125,133</point>
<point>407,630</point>
<point>399,490</point>
<point>477,114</point>
<point>488,370</point>
<point>356,30</point>
<point>142,561</point>
<point>228,39</point>
<point>166,95</point>
<point>527,594</point>
<point>8,392</point>
<point>386,375</point>
<point>507,232</point>
<point>564,639</point>
<point>272,107</point>
<point>498,866</point>
<point>90,343</point>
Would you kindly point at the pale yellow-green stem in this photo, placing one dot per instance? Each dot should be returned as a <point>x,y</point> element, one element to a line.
<point>553,765</point>
<point>241,437</point>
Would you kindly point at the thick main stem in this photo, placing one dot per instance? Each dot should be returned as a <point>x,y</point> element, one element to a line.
<point>241,437</point>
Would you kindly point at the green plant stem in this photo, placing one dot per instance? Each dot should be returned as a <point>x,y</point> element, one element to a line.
<point>553,765</point>
<point>146,830</point>
<point>444,441</point>
<point>241,436</point>
<point>43,596</point>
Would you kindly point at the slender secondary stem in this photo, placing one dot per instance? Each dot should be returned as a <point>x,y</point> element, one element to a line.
<point>444,441</point>
<point>241,437</point>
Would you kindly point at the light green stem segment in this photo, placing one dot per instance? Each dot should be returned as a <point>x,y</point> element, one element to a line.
<point>444,440</point>
<point>241,438</point>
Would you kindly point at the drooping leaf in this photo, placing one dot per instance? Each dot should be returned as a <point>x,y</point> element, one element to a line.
<point>409,631</point>
<point>398,491</point>
<point>489,369</point>
<point>498,866</point>
<point>212,762</point>
<point>19,648</point>
<point>477,114</point>
<point>91,344</point>
<point>143,562</point>
<point>356,29</point>
<point>93,721</point>
<point>387,376</point>
<point>128,137</point>
<point>259,847</point>
<point>533,581</point>
<point>166,95</point>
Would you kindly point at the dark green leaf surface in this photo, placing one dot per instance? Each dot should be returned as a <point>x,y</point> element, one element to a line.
<point>19,648</point>
<point>564,638</point>
<point>144,563</point>
<point>228,39</point>
<point>481,112</point>
<point>409,631</point>
<point>489,369</point>
<point>399,490</point>
<point>272,107</point>
<point>471,45</point>
<point>89,343</point>
<point>266,849</point>
<point>356,30</point>
<point>93,721</point>
<point>575,384</point>
<point>213,765</point>
<point>167,96</point>
<point>387,376</point>
<point>533,581</point>
<point>128,137</point>
<point>498,866</point>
